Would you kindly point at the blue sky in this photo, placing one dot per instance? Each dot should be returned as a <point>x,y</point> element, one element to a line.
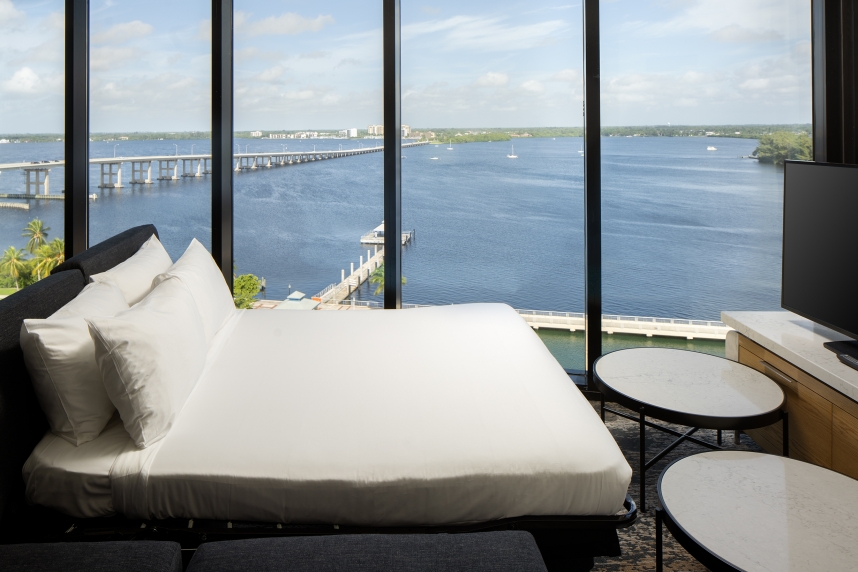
<point>302,65</point>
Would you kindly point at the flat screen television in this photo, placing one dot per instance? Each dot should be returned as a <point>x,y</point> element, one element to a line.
<point>820,241</point>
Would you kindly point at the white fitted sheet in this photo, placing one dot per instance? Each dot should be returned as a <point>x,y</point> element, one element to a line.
<point>301,417</point>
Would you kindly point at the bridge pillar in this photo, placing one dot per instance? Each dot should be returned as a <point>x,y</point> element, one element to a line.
<point>237,164</point>
<point>137,168</point>
<point>38,182</point>
<point>206,169</point>
<point>253,167</point>
<point>199,168</point>
<point>164,167</point>
<point>268,165</point>
<point>187,167</point>
<point>110,183</point>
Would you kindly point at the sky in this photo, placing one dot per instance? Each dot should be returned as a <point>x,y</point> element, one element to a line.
<point>478,63</point>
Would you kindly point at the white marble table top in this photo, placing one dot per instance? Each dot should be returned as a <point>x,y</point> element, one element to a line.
<point>689,382</point>
<point>798,341</point>
<point>763,512</point>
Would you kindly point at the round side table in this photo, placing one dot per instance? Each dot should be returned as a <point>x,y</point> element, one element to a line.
<point>735,510</point>
<point>688,388</point>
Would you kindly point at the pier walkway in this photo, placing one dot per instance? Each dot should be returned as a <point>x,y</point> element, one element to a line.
<point>37,173</point>
<point>336,293</point>
<point>574,322</point>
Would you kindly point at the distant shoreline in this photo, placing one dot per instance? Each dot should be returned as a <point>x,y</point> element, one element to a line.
<point>445,134</point>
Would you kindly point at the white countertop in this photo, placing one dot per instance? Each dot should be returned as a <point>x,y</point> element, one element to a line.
<point>798,341</point>
<point>764,512</point>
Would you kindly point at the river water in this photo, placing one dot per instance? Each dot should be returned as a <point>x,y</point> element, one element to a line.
<point>686,232</point>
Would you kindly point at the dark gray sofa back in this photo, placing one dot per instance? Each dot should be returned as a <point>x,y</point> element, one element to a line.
<point>22,422</point>
<point>105,255</point>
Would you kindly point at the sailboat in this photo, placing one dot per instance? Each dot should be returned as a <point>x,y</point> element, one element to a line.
<point>581,150</point>
<point>450,148</point>
<point>512,154</point>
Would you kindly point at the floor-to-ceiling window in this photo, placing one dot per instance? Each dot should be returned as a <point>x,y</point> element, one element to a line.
<point>701,103</point>
<point>150,102</point>
<point>31,141</point>
<point>308,164</point>
<point>492,197</point>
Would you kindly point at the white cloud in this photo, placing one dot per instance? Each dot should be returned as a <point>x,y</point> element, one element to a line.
<point>485,34</point>
<point>204,30</point>
<point>271,74</point>
<point>123,32</point>
<point>9,15</point>
<point>568,75</point>
<point>533,86</point>
<point>492,79</point>
<point>107,58</point>
<point>25,80</point>
<point>285,24</point>
<point>736,34</point>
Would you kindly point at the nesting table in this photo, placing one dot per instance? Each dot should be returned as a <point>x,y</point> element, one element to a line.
<point>688,388</point>
<point>736,510</point>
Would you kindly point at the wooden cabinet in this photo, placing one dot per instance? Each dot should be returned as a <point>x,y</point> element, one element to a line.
<point>823,423</point>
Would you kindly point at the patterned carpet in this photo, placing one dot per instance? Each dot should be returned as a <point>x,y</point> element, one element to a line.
<point>638,542</point>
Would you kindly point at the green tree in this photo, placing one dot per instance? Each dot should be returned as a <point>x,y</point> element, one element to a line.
<point>14,264</point>
<point>49,257</point>
<point>37,233</point>
<point>245,288</point>
<point>784,145</point>
<point>377,278</point>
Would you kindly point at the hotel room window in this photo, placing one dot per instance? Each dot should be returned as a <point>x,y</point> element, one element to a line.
<point>150,120</point>
<point>492,188</point>
<point>31,141</point>
<point>701,103</point>
<point>308,173</point>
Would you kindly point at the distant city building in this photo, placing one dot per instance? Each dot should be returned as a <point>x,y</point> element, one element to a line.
<point>256,133</point>
<point>277,136</point>
<point>4,140</point>
<point>375,129</point>
<point>123,138</point>
<point>406,130</point>
<point>353,132</point>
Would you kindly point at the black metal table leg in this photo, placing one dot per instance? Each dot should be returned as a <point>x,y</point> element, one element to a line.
<point>659,564</point>
<point>718,438</point>
<point>785,434</point>
<point>643,460</point>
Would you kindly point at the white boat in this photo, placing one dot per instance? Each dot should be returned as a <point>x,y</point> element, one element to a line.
<point>433,158</point>
<point>450,148</point>
<point>512,154</point>
<point>581,150</point>
<point>711,148</point>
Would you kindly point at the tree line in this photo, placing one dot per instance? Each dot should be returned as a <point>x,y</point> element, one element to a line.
<point>20,267</point>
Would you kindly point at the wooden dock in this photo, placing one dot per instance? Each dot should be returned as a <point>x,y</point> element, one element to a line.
<point>335,293</point>
<point>376,236</point>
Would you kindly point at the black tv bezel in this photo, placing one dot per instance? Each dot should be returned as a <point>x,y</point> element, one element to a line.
<point>852,335</point>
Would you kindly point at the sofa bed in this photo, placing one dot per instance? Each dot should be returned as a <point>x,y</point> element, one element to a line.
<point>261,423</point>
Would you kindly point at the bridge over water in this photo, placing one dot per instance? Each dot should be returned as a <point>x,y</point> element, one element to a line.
<point>37,173</point>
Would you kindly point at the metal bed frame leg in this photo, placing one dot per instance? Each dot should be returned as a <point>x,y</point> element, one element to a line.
<point>785,434</point>
<point>602,400</point>
<point>643,460</point>
<point>659,563</point>
<point>718,437</point>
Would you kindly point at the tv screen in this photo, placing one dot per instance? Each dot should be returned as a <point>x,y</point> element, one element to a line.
<point>820,241</point>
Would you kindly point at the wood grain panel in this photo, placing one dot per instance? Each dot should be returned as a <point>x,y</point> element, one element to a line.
<point>845,443</point>
<point>810,413</point>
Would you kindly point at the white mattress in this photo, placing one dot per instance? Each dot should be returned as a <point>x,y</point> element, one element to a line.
<point>302,417</point>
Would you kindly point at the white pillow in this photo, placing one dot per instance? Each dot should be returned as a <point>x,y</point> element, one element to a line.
<point>134,276</point>
<point>197,269</point>
<point>150,358</point>
<point>60,357</point>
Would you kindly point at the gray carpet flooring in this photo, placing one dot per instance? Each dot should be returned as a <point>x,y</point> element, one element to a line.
<point>638,542</point>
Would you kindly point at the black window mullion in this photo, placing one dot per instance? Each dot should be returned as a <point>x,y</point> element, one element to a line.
<point>76,137</point>
<point>222,136</point>
<point>392,157</point>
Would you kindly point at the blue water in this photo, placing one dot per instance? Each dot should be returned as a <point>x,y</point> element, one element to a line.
<point>687,232</point>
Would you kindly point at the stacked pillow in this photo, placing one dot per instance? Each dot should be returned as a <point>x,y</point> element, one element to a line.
<point>135,340</point>
<point>60,356</point>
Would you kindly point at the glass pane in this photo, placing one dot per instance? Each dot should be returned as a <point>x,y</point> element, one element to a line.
<point>308,179</point>
<point>695,97</point>
<point>31,141</point>
<point>150,142</point>
<point>495,200</point>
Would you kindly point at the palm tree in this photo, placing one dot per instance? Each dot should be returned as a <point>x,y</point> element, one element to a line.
<point>13,263</point>
<point>37,233</point>
<point>377,277</point>
<point>49,257</point>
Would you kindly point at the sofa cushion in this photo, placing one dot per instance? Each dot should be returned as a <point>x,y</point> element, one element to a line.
<point>107,254</point>
<point>127,556</point>
<point>512,551</point>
